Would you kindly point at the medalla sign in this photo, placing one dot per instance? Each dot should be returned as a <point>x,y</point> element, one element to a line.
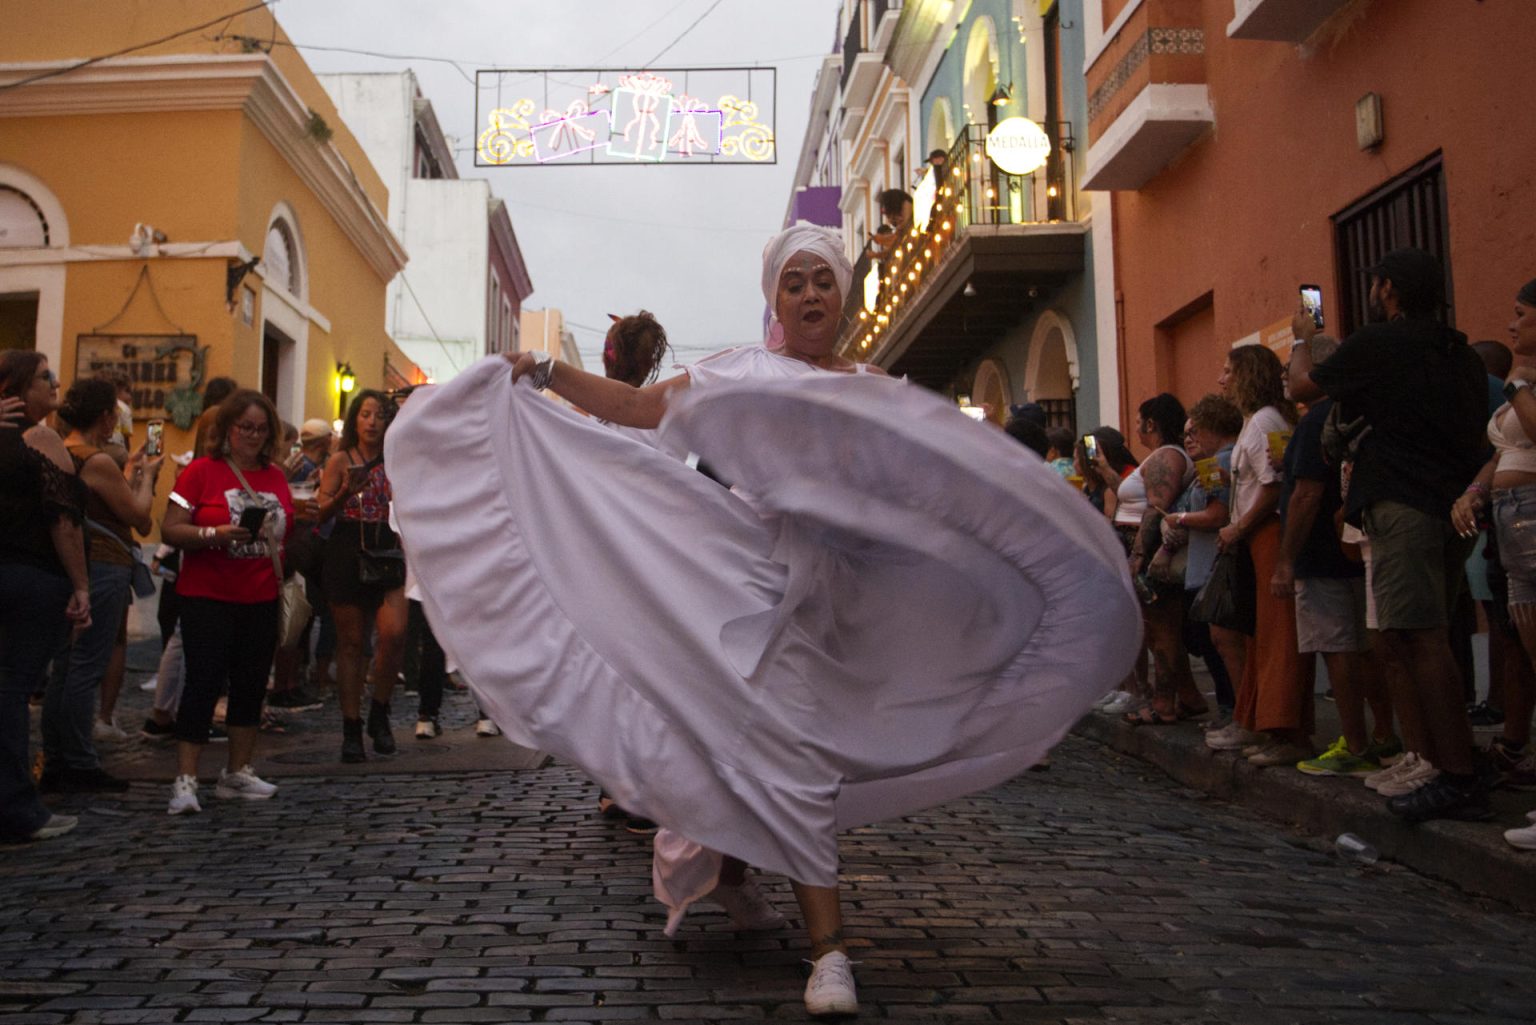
<point>1018,146</point>
<point>541,117</point>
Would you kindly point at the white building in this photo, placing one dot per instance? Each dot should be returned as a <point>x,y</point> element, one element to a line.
<point>460,297</point>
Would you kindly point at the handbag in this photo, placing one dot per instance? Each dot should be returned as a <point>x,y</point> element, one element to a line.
<point>143,582</point>
<point>383,568</point>
<point>294,609</point>
<point>1227,600</point>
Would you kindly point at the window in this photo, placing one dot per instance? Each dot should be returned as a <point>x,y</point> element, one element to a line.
<point>279,259</point>
<point>22,225</point>
<point>1409,210</point>
<point>493,339</point>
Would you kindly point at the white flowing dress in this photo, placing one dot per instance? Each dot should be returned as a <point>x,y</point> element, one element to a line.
<point>915,607</point>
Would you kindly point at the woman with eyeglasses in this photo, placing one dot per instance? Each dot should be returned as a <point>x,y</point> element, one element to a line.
<point>228,513</point>
<point>44,585</point>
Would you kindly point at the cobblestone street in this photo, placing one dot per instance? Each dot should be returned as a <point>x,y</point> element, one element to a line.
<point>1096,892</point>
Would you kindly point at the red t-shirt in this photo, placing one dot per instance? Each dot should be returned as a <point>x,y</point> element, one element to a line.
<point>209,490</point>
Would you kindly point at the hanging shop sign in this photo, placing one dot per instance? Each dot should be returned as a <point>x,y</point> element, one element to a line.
<point>1018,146</point>
<point>542,117</point>
<point>166,371</point>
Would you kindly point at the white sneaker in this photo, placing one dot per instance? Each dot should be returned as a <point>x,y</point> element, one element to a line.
<point>184,796</point>
<point>150,684</point>
<point>1122,702</point>
<point>1525,838</point>
<point>57,825</point>
<point>1232,737</point>
<point>428,729</point>
<point>245,785</point>
<point>486,728</point>
<point>830,989</point>
<point>1106,699</point>
<point>1409,774</point>
<point>747,906</point>
<point>106,732</point>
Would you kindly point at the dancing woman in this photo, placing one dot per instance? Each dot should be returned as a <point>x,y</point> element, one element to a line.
<point>892,619</point>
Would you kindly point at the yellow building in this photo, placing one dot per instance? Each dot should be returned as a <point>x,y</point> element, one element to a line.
<point>135,192</point>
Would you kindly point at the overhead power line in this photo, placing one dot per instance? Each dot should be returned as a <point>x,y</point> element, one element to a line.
<point>695,24</point>
<point>55,72</point>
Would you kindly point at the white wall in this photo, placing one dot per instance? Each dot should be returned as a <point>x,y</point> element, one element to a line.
<point>448,235</point>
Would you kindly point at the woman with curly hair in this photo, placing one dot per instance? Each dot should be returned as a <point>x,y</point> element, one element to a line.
<point>1272,723</point>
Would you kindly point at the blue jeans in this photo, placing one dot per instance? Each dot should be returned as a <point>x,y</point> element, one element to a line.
<point>32,625</point>
<point>70,706</point>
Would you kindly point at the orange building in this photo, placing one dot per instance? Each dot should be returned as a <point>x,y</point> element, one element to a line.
<point>1251,146</point>
<point>136,192</point>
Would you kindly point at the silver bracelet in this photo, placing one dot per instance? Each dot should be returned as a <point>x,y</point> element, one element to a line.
<point>543,370</point>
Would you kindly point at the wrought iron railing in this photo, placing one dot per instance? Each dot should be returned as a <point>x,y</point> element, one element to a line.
<point>970,191</point>
<point>853,43</point>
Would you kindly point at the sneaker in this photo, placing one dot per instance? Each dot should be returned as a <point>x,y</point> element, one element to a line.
<point>1410,777</point>
<point>1338,760</point>
<point>1282,753</point>
<point>1516,769</point>
<point>81,781</point>
<point>295,699</point>
<point>1122,701</point>
<point>830,989</point>
<point>486,728</point>
<point>245,785</point>
<point>107,732</point>
<point>1524,838</point>
<point>1484,714</point>
<point>1106,699</point>
<point>1442,798</point>
<point>217,735</point>
<point>747,906</point>
<point>57,825</point>
<point>1392,771</point>
<point>428,729</point>
<point>150,684</point>
<point>1384,752</point>
<point>184,797</point>
<point>156,733</point>
<point>1231,737</point>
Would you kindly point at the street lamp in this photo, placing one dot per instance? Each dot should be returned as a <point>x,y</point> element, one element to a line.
<point>346,381</point>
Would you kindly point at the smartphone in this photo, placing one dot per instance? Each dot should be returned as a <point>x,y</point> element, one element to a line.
<point>154,438</point>
<point>1090,447</point>
<point>252,517</point>
<point>1312,299</point>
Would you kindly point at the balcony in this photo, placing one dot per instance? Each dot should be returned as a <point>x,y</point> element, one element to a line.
<point>993,244</point>
<point>1280,21</point>
<point>886,14</point>
<point>861,68</point>
<point>1147,96</point>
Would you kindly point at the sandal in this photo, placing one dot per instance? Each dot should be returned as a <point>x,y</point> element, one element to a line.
<point>1149,716</point>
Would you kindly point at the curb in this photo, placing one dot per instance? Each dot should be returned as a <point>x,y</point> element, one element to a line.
<point>1471,856</point>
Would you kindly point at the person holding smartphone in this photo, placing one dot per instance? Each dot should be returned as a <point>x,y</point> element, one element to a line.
<point>355,490</point>
<point>229,514</point>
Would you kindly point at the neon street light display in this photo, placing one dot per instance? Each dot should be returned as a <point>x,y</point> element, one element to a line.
<point>611,116</point>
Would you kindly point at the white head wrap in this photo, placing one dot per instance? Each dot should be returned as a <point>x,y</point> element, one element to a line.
<point>802,238</point>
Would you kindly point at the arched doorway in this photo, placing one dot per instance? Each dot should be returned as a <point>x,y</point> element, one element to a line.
<point>941,126</point>
<point>284,315</point>
<point>981,65</point>
<point>1051,374</point>
<point>989,390</point>
<point>33,229</point>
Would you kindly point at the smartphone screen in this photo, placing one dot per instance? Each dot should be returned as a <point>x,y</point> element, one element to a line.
<point>154,435</point>
<point>252,517</point>
<point>1312,299</point>
<point>1091,447</point>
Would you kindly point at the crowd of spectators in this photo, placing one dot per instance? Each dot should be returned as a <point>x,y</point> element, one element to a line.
<point>1327,508</point>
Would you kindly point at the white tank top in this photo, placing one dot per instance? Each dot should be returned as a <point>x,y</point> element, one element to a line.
<point>1132,493</point>
<point>1508,437</point>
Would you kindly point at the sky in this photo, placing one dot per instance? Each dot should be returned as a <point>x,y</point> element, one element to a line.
<point>682,242</point>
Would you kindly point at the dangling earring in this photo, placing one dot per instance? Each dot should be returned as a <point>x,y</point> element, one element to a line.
<point>224,448</point>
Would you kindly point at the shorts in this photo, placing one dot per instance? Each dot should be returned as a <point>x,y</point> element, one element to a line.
<point>338,565</point>
<point>1514,518</point>
<point>1330,615</point>
<point>1418,566</point>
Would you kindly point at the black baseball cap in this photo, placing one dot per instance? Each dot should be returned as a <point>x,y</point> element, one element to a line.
<point>1416,274</point>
